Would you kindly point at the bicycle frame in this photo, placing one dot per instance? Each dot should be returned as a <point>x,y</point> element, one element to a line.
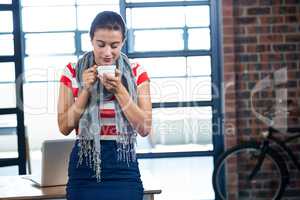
<point>261,158</point>
<point>282,143</point>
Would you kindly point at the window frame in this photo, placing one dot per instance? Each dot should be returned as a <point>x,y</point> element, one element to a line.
<point>214,53</point>
<point>18,110</point>
<point>216,73</point>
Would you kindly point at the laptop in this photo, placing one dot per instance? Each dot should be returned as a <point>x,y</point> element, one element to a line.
<point>55,161</point>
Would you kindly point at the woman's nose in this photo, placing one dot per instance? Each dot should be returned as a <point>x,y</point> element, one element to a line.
<point>107,51</point>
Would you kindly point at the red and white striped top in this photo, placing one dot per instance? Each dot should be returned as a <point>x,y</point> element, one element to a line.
<point>107,110</point>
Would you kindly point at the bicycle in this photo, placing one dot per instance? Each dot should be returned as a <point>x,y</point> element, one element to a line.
<point>254,161</point>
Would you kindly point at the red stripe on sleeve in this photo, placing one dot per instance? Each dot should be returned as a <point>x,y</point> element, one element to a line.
<point>142,78</point>
<point>71,70</point>
<point>75,92</point>
<point>134,69</point>
<point>66,81</point>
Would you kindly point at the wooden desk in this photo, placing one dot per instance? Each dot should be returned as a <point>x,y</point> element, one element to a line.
<point>18,188</point>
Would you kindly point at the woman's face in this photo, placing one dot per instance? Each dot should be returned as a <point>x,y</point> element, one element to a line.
<point>107,45</point>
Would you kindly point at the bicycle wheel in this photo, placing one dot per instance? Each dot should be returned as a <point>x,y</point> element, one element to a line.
<point>238,163</point>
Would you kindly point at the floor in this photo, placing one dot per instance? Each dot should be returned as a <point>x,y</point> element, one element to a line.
<point>182,178</point>
<point>179,178</point>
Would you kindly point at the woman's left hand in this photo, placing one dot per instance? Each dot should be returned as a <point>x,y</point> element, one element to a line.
<point>112,82</point>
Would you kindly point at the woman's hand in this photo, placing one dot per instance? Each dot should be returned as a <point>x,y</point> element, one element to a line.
<point>112,82</point>
<point>89,77</point>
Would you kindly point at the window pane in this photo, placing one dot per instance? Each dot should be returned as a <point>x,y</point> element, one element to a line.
<point>199,38</point>
<point>40,98</point>
<point>86,42</point>
<point>40,110</point>
<point>48,68</point>
<point>197,16</point>
<point>9,140</point>
<point>163,67</point>
<point>199,66</point>
<point>156,17</point>
<point>163,17</point>
<point>103,2</point>
<point>86,14</point>
<point>180,89</point>
<point>199,89</point>
<point>47,2</point>
<point>8,95</point>
<point>50,43</point>
<point>5,1</point>
<point>158,0</point>
<point>11,170</point>
<point>6,20</point>
<point>176,66</point>
<point>168,89</point>
<point>8,120</point>
<point>7,72</point>
<point>63,19</point>
<point>191,125</point>
<point>7,45</point>
<point>157,40</point>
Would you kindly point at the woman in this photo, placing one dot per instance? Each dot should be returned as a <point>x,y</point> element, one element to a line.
<point>107,111</point>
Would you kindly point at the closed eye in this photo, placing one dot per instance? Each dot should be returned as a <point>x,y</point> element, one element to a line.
<point>100,44</point>
<point>115,45</point>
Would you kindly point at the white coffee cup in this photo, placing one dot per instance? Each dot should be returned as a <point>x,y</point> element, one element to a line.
<point>107,69</point>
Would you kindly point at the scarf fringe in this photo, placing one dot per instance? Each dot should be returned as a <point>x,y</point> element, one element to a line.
<point>88,150</point>
<point>126,148</point>
<point>93,156</point>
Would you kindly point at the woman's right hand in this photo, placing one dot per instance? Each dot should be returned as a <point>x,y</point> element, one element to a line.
<point>89,77</point>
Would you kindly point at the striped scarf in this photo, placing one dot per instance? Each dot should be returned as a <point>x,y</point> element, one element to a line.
<point>90,122</point>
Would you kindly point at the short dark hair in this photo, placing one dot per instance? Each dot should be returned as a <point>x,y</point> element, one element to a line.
<point>108,20</point>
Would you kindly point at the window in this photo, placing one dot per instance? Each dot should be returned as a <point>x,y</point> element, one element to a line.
<point>176,42</point>
<point>7,69</point>
<point>50,43</point>
<point>9,89</point>
<point>50,21</point>
<point>171,39</point>
<point>7,44</point>
<point>168,28</point>
<point>7,72</point>
<point>5,1</point>
<point>6,21</point>
<point>11,113</point>
<point>8,134</point>
<point>173,42</point>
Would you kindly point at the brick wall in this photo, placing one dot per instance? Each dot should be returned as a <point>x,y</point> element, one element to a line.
<point>260,38</point>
